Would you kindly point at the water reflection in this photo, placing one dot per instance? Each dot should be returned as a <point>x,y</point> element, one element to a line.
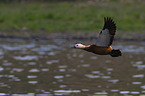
<point>25,57</point>
<point>51,68</point>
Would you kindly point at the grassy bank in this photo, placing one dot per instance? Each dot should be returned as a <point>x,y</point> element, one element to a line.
<point>72,16</point>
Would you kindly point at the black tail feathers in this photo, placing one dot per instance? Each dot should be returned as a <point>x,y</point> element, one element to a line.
<point>115,53</point>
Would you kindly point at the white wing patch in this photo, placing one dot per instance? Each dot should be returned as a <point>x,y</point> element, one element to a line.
<point>103,38</point>
<point>106,36</point>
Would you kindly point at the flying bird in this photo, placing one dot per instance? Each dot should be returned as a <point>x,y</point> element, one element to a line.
<point>104,41</point>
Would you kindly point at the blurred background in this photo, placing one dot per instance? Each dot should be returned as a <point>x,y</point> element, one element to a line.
<point>44,17</point>
<point>36,58</point>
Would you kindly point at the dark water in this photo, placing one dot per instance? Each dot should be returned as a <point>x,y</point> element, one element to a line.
<point>52,68</point>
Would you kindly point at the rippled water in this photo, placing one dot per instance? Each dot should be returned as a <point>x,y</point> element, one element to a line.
<point>53,68</point>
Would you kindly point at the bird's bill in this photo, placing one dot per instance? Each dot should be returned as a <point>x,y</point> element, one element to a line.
<point>73,47</point>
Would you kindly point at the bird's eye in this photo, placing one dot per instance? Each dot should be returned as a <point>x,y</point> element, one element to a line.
<point>77,45</point>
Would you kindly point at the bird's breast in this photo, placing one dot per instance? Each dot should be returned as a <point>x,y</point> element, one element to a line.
<point>99,50</point>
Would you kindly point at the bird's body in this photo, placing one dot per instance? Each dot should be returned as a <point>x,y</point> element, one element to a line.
<point>99,50</point>
<point>104,41</point>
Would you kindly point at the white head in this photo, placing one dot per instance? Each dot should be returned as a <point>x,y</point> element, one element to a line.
<point>79,46</point>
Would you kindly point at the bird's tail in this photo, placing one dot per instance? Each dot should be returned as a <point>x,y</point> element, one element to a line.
<point>115,53</point>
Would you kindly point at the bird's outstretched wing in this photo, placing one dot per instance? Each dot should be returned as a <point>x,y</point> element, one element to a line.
<point>106,36</point>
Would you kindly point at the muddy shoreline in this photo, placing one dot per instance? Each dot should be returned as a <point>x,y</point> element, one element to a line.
<point>120,36</point>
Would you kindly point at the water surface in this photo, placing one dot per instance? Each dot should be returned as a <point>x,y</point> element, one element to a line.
<point>53,68</point>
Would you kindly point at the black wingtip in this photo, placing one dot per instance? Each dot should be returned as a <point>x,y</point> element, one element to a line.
<point>110,25</point>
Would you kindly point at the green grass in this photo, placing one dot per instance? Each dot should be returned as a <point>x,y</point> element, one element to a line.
<point>72,16</point>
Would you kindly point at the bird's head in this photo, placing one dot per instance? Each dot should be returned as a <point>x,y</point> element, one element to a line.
<point>79,46</point>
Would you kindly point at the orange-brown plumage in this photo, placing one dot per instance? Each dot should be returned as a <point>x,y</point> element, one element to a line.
<point>99,50</point>
<point>104,41</point>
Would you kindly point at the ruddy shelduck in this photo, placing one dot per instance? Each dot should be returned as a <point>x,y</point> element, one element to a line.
<point>104,41</point>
